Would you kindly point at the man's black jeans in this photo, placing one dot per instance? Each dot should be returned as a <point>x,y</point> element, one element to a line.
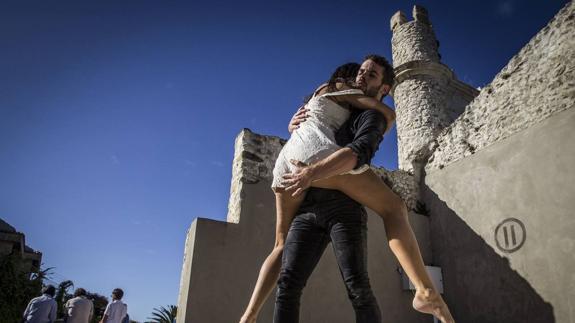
<point>323,220</point>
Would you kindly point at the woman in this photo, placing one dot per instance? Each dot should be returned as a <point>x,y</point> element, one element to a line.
<point>313,141</point>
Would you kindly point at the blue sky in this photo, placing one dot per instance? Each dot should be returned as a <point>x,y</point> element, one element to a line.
<point>118,118</point>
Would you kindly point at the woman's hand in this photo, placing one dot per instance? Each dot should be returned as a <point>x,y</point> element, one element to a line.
<point>299,117</point>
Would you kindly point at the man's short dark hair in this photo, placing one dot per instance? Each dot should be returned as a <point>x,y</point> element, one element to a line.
<point>80,292</point>
<point>388,73</point>
<point>49,290</point>
<point>118,293</point>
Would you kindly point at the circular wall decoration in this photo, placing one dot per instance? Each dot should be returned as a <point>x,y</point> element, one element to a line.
<point>510,235</point>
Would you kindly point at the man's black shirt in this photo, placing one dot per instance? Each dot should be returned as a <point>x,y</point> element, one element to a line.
<point>362,132</point>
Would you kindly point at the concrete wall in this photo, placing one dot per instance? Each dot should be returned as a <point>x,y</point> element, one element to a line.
<point>222,259</point>
<point>529,177</point>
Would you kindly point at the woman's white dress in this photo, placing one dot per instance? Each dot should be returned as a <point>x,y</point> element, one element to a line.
<point>314,140</point>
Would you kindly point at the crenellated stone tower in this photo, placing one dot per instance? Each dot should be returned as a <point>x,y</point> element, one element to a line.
<point>427,94</point>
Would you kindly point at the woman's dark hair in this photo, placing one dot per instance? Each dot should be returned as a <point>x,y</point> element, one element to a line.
<point>345,73</point>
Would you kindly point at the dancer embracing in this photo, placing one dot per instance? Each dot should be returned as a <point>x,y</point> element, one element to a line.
<point>315,162</point>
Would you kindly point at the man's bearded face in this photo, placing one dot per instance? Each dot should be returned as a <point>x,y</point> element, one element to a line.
<point>369,78</point>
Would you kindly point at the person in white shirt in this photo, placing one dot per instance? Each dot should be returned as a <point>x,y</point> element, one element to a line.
<point>79,309</point>
<point>116,311</point>
<point>42,309</point>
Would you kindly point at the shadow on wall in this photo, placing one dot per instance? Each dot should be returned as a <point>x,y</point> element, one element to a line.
<point>479,284</point>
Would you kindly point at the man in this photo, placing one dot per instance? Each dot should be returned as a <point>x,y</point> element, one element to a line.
<point>330,216</point>
<point>79,309</point>
<point>116,311</point>
<point>42,309</point>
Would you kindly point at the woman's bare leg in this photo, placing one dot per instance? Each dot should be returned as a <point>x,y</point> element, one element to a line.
<point>286,207</point>
<point>369,190</point>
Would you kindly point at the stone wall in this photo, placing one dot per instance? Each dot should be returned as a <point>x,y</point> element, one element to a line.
<point>14,243</point>
<point>254,160</point>
<point>536,83</point>
<point>401,183</point>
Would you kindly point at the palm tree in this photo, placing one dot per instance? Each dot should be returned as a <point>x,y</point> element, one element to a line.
<point>164,315</point>
<point>62,295</point>
<point>41,274</point>
<point>100,303</point>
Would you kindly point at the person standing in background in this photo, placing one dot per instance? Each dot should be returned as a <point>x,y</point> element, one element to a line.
<point>116,311</point>
<point>42,309</point>
<point>79,309</point>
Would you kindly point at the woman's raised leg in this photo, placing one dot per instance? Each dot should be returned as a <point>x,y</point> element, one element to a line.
<point>286,207</point>
<point>369,190</point>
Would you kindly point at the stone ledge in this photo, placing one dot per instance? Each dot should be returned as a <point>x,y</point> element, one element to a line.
<point>413,68</point>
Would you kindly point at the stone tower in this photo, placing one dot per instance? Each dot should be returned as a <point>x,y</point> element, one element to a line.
<point>427,95</point>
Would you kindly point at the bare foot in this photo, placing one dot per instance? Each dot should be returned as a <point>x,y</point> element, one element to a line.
<point>430,302</point>
<point>246,319</point>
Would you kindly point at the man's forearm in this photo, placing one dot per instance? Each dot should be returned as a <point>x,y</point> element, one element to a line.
<point>339,162</point>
